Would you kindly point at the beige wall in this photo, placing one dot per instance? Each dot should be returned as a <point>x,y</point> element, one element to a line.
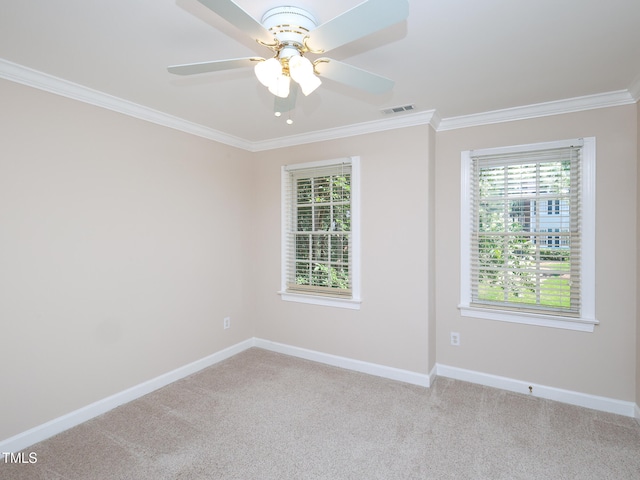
<point>391,327</point>
<point>119,253</point>
<point>431,251</point>
<point>638,265</point>
<point>599,363</point>
<point>123,245</point>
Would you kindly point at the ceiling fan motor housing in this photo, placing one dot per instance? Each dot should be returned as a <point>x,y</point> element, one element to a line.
<point>289,25</point>
<point>286,31</point>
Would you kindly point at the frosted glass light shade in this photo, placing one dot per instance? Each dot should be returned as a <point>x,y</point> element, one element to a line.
<point>300,67</point>
<point>268,71</point>
<point>309,84</point>
<point>301,71</point>
<point>280,87</point>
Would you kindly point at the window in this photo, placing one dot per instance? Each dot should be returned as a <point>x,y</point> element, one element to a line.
<point>528,234</point>
<point>320,233</point>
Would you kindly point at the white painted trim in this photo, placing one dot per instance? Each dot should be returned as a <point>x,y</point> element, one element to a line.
<point>71,419</point>
<point>465,227</point>
<point>402,121</point>
<point>433,374</point>
<point>42,81</point>
<point>423,380</point>
<point>587,321</point>
<point>570,105</point>
<point>603,404</point>
<point>514,149</point>
<point>634,89</point>
<point>355,301</point>
<point>57,425</point>
<point>58,86</point>
<point>588,230</point>
<point>42,432</point>
<point>48,83</point>
<point>526,318</point>
<point>327,301</point>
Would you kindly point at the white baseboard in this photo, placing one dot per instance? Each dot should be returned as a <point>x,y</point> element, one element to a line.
<point>604,404</point>
<point>42,432</point>
<point>57,425</point>
<point>423,380</point>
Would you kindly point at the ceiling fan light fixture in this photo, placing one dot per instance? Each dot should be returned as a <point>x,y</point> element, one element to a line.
<point>301,70</point>
<point>268,71</point>
<point>291,32</point>
<point>280,87</point>
<point>309,84</point>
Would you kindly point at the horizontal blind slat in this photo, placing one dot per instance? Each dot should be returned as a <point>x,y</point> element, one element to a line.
<point>318,238</point>
<point>524,206</point>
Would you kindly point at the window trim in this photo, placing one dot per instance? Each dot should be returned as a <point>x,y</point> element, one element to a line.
<point>587,319</point>
<point>355,300</point>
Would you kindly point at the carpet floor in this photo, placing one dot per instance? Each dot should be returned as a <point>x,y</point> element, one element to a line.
<point>263,415</point>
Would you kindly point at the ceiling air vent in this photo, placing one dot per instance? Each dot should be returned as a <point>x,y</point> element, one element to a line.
<point>404,108</point>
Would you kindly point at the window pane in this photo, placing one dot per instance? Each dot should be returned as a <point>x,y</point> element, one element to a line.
<point>302,273</point>
<point>339,249</point>
<point>341,188</point>
<point>320,248</point>
<point>304,190</point>
<point>340,277</point>
<point>305,216</point>
<point>322,189</point>
<point>511,258</point>
<point>491,182</point>
<point>551,178</point>
<point>322,217</point>
<point>341,218</point>
<point>320,226</point>
<point>320,275</point>
<point>555,278</point>
<point>302,247</point>
<point>521,180</point>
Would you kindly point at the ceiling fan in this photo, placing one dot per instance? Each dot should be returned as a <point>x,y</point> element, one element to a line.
<point>291,33</point>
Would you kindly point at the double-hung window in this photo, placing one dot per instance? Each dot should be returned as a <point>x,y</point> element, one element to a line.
<point>320,233</point>
<point>528,234</point>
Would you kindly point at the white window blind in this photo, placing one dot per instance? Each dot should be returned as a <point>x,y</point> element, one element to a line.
<point>526,230</point>
<point>317,216</point>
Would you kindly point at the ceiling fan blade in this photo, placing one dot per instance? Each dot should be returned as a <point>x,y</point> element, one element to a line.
<point>235,15</point>
<point>215,66</point>
<point>353,76</point>
<point>363,19</point>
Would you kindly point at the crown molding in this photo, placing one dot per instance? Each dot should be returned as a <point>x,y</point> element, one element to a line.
<point>48,83</point>
<point>42,81</point>
<point>634,89</point>
<point>570,105</point>
<point>402,121</point>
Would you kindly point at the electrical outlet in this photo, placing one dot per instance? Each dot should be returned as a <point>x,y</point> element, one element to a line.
<point>227,322</point>
<point>455,339</point>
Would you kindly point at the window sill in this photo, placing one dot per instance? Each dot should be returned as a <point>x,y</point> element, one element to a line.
<point>566,323</point>
<point>349,303</point>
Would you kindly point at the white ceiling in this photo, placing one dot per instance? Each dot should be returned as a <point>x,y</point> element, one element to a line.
<point>454,57</point>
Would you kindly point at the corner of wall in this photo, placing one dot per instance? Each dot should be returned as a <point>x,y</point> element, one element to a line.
<point>431,248</point>
<point>638,258</point>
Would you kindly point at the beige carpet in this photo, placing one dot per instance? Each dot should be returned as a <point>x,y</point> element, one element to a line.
<point>262,415</point>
